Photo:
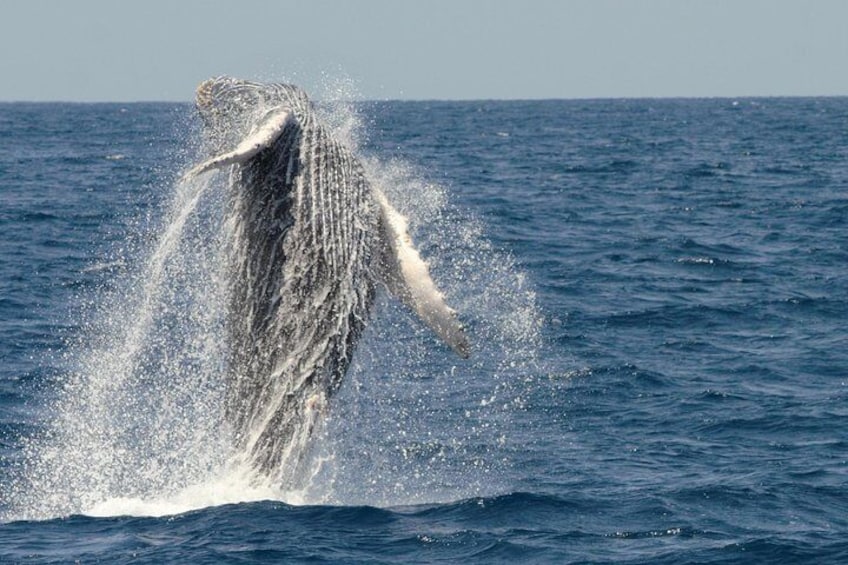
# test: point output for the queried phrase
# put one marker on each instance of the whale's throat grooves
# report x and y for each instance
(303, 226)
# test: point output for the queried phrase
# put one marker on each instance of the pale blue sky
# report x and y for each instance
(91, 50)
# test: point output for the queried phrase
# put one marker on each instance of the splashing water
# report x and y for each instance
(138, 424)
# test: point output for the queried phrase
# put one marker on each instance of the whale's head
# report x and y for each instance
(232, 108)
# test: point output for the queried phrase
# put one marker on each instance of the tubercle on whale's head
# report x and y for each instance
(230, 108)
(221, 95)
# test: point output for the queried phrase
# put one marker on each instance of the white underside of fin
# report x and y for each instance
(412, 282)
(261, 138)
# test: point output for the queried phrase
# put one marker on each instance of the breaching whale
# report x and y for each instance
(311, 240)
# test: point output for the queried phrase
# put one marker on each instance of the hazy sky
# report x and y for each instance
(86, 50)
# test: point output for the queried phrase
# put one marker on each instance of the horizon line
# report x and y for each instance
(418, 100)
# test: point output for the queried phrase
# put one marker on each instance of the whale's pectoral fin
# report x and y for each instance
(407, 277)
(261, 138)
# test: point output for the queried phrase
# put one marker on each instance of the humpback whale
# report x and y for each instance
(311, 240)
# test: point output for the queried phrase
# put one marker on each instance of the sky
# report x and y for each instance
(113, 50)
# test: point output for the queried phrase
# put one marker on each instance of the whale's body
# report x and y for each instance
(310, 241)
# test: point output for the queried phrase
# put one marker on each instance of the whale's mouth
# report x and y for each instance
(218, 91)
(229, 109)
(223, 98)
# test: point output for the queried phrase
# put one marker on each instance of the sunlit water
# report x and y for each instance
(655, 292)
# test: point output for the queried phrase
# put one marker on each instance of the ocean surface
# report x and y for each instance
(656, 293)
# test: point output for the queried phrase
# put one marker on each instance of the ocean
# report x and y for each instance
(655, 292)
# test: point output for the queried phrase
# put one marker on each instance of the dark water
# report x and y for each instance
(658, 291)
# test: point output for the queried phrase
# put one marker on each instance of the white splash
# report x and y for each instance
(215, 492)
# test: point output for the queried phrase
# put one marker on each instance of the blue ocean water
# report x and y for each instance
(656, 291)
